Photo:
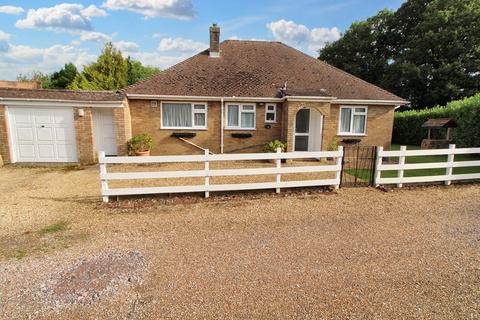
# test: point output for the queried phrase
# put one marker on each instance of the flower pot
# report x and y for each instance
(145, 153)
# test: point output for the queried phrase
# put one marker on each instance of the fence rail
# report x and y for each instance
(403, 153)
(206, 173)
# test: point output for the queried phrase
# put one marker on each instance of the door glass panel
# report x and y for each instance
(302, 121)
(301, 143)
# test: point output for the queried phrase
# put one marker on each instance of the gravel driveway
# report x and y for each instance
(358, 253)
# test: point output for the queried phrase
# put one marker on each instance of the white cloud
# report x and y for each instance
(301, 36)
(126, 46)
(4, 37)
(11, 10)
(24, 59)
(180, 44)
(94, 36)
(69, 17)
(177, 9)
(157, 60)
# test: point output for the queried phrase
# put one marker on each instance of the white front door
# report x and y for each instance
(308, 130)
(42, 134)
(104, 131)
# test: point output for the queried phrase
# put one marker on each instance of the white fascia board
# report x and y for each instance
(202, 98)
(22, 102)
(371, 102)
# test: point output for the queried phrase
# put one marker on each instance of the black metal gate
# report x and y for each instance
(358, 168)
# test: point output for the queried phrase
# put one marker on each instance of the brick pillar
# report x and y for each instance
(84, 136)
(4, 147)
(123, 127)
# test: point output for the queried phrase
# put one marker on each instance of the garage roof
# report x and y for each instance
(58, 94)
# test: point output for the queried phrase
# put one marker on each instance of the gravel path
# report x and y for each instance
(358, 253)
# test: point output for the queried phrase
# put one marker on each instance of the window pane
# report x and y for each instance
(177, 115)
(248, 108)
(302, 121)
(232, 116)
(345, 118)
(359, 124)
(248, 120)
(360, 110)
(270, 108)
(199, 107)
(270, 116)
(199, 119)
(301, 143)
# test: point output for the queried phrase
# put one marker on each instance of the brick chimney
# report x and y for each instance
(214, 41)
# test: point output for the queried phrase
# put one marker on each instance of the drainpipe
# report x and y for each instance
(221, 126)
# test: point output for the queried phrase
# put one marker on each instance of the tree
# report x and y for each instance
(427, 51)
(109, 72)
(35, 75)
(64, 77)
(138, 72)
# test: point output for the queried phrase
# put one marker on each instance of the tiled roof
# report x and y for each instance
(68, 95)
(257, 69)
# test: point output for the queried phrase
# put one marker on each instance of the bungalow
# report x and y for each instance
(233, 97)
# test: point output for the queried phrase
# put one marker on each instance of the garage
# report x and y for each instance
(42, 134)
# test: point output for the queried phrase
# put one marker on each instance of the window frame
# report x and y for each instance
(351, 133)
(240, 111)
(270, 112)
(192, 111)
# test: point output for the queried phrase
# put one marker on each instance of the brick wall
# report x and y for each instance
(146, 119)
(20, 84)
(84, 136)
(123, 127)
(4, 148)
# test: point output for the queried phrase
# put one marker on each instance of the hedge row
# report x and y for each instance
(407, 127)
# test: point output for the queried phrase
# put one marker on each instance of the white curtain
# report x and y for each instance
(248, 120)
(232, 116)
(177, 115)
(199, 119)
(359, 124)
(346, 117)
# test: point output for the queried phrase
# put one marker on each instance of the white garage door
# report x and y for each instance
(42, 134)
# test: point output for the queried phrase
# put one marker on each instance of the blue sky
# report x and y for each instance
(43, 35)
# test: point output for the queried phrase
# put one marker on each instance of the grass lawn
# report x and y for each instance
(364, 174)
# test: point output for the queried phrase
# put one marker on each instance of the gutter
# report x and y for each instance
(60, 103)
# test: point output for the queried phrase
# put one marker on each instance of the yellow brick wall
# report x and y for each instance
(123, 127)
(4, 149)
(84, 136)
(146, 119)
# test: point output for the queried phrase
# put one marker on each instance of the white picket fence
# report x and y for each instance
(206, 173)
(448, 177)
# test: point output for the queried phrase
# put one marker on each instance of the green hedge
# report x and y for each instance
(407, 127)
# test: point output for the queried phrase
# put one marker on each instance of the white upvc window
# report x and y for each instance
(271, 113)
(352, 121)
(183, 115)
(240, 116)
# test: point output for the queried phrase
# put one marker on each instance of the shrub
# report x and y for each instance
(273, 145)
(139, 142)
(407, 127)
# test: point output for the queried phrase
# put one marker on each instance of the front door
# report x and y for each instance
(104, 131)
(308, 130)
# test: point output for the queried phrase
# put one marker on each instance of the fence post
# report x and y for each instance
(401, 162)
(378, 164)
(103, 170)
(207, 174)
(451, 158)
(278, 162)
(338, 174)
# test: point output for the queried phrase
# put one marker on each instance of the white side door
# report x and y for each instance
(42, 134)
(104, 131)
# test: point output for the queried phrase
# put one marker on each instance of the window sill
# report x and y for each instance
(239, 129)
(183, 128)
(351, 134)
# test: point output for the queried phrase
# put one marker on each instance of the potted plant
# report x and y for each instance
(272, 146)
(140, 145)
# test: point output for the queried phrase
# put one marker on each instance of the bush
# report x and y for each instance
(273, 145)
(407, 127)
(139, 142)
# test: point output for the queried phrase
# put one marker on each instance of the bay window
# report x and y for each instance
(353, 121)
(240, 116)
(271, 113)
(184, 115)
